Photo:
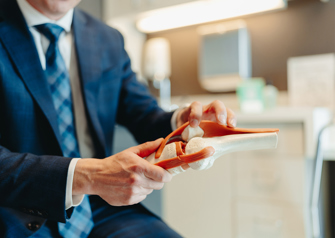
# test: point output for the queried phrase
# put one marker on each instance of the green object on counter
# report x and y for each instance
(270, 94)
(250, 95)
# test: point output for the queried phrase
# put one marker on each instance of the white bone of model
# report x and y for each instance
(222, 145)
(191, 132)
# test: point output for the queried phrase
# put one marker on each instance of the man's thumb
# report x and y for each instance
(145, 149)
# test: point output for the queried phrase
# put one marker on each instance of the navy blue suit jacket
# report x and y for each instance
(32, 170)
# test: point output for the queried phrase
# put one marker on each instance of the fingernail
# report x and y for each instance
(223, 119)
(194, 122)
(232, 122)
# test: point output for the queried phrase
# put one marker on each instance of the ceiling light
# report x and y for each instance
(202, 11)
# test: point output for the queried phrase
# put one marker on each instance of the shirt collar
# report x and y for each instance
(34, 17)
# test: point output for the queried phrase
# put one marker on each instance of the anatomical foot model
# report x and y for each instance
(200, 147)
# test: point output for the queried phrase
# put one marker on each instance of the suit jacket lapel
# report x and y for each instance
(87, 45)
(16, 37)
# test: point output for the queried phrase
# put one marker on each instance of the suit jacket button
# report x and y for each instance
(33, 226)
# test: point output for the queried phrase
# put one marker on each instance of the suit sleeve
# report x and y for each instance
(138, 110)
(34, 184)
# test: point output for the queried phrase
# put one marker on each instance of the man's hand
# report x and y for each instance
(215, 111)
(122, 179)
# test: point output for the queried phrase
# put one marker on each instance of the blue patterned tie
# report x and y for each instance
(81, 222)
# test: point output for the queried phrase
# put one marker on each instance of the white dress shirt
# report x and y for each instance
(67, 50)
(65, 44)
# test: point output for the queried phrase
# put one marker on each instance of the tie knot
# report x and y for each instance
(50, 31)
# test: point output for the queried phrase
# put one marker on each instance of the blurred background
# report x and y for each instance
(273, 63)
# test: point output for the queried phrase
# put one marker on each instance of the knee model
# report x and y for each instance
(199, 147)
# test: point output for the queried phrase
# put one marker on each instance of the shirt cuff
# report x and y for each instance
(174, 119)
(72, 200)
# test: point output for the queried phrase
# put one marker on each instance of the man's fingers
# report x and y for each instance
(139, 190)
(148, 183)
(156, 173)
(137, 199)
(195, 114)
(149, 171)
(220, 111)
(215, 111)
(147, 148)
(231, 118)
(143, 180)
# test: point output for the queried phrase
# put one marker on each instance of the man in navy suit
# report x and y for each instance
(65, 80)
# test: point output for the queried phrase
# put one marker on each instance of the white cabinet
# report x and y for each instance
(252, 194)
(268, 220)
(266, 178)
(198, 203)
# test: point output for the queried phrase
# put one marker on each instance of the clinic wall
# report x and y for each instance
(93, 7)
(306, 27)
